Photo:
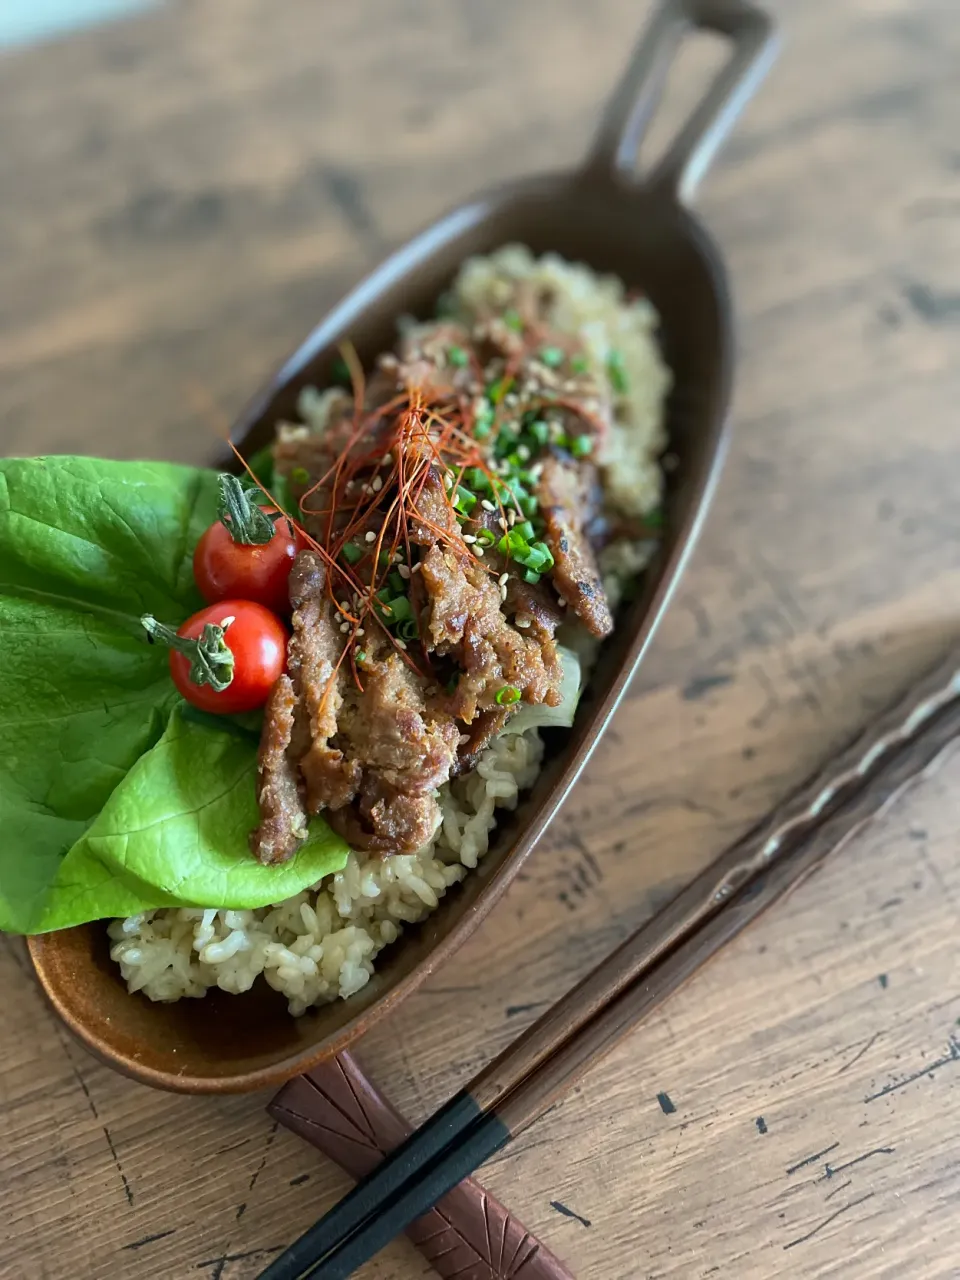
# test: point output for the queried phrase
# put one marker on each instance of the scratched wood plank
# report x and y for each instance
(183, 194)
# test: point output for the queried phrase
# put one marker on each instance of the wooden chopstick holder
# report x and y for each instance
(469, 1234)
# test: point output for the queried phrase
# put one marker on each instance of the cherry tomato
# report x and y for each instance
(258, 641)
(226, 570)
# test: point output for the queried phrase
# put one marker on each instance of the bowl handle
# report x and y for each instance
(637, 96)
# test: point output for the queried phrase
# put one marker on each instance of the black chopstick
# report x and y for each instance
(410, 1199)
(446, 1126)
(538, 1068)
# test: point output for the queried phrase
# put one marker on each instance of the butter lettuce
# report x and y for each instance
(111, 801)
(175, 833)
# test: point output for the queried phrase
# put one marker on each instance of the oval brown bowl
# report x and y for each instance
(600, 215)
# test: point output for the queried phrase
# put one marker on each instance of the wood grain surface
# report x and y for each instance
(183, 194)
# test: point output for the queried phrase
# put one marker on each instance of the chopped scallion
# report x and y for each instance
(464, 501)
(507, 696)
(506, 442)
(552, 357)
(457, 357)
(616, 373)
(497, 390)
(400, 609)
(352, 553)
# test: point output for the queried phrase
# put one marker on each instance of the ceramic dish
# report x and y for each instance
(603, 215)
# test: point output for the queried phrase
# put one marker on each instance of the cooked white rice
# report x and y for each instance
(321, 944)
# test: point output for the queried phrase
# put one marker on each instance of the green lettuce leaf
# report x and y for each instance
(86, 547)
(175, 833)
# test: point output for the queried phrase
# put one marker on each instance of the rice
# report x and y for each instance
(321, 945)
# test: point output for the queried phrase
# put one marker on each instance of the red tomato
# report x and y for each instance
(258, 641)
(227, 570)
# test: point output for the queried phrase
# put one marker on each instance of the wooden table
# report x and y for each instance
(183, 194)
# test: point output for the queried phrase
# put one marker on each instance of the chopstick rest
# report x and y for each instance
(469, 1234)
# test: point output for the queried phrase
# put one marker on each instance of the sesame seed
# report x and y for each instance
(523, 452)
(503, 594)
(469, 537)
(227, 622)
(487, 504)
(397, 556)
(416, 568)
(463, 739)
(502, 522)
(403, 571)
(523, 622)
(504, 579)
(370, 537)
(401, 644)
(511, 517)
(344, 627)
(376, 484)
(562, 601)
(537, 470)
(478, 549)
(360, 631)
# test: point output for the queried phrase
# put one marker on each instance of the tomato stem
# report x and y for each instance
(211, 661)
(245, 521)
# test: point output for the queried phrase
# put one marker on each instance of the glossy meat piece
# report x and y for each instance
(563, 492)
(300, 720)
(465, 619)
(283, 816)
